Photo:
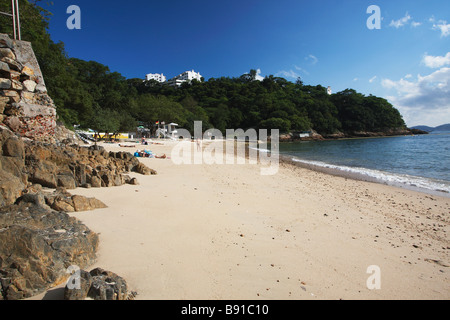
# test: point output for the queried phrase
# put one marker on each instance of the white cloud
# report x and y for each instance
(355, 79)
(415, 24)
(288, 74)
(425, 100)
(301, 70)
(443, 26)
(312, 58)
(436, 61)
(292, 74)
(401, 22)
(373, 79)
(408, 76)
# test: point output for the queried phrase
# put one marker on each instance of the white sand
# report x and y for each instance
(227, 232)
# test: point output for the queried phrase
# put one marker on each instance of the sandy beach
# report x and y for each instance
(218, 232)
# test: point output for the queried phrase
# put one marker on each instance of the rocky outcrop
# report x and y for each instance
(38, 239)
(25, 106)
(61, 200)
(98, 284)
(368, 134)
(13, 179)
(75, 166)
(298, 136)
(37, 245)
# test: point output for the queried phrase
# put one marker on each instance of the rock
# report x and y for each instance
(62, 205)
(5, 83)
(107, 285)
(5, 70)
(80, 293)
(13, 95)
(96, 204)
(7, 53)
(36, 247)
(5, 42)
(14, 75)
(28, 72)
(143, 169)
(13, 147)
(81, 203)
(3, 102)
(96, 182)
(41, 88)
(66, 181)
(134, 182)
(44, 176)
(33, 198)
(11, 188)
(61, 200)
(29, 85)
(13, 64)
(13, 123)
(16, 85)
(99, 285)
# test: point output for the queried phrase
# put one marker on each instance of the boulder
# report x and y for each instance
(66, 181)
(143, 169)
(96, 182)
(99, 284)
(11, 188)
(44, 177)
(61, 200)
(133, 181)
(37, 245)
(84, 283)
(81, 203)
(13, 147)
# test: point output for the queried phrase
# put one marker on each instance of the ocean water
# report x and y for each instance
(415, 162)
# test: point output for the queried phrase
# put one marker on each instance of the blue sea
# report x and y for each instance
(415, 162)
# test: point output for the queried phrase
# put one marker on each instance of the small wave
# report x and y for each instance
(261, 150)
(401, 180)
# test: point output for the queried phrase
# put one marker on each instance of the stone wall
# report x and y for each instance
(25, 106)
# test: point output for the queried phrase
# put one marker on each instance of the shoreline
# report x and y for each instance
(226, 232)
(327, 168)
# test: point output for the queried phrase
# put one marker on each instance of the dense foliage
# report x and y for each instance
(89, 94)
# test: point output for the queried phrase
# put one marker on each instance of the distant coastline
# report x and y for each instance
(314, 136)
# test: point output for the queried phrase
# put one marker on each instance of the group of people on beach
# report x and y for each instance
(148, 154)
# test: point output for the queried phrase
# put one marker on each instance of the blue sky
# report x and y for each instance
(407, 61)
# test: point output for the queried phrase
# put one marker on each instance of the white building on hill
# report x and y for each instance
(184, 77)
(156, 76)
